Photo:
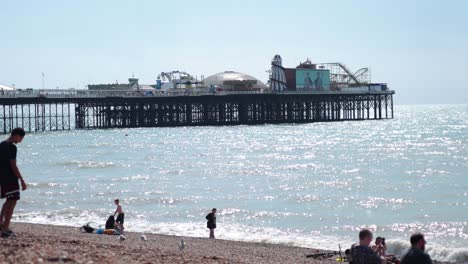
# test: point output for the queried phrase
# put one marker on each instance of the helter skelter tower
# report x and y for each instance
(277, 76)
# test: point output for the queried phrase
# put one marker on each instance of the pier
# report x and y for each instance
(51, 110)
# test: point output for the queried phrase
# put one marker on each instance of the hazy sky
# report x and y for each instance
(420, 48)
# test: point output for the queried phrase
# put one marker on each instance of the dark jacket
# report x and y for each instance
(211, 220)
(416, 256)
(364, 255)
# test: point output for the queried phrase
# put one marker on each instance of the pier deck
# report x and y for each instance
(65, 111)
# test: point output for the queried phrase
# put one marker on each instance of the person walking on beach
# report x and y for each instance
(363, 253)
(9, 177)
(211, 224)
(119, 221)
(416, 254)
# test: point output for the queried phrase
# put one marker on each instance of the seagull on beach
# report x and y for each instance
(181, 249)
(122, 238)
(143, 237)
(181, 245)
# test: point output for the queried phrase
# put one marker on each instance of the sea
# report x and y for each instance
(310, 185)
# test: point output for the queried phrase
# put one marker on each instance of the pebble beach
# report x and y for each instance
(37, 243)
(57, 244)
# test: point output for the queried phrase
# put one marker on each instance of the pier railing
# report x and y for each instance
(72, 93)
(43, 110)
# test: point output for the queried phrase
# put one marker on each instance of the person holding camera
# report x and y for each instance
(379, 247)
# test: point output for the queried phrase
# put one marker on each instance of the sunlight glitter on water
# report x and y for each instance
(397, 175)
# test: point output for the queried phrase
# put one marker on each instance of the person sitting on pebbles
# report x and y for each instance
(361, 253)
(379, 247)
(417, 254)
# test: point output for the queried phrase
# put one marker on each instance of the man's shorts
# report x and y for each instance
(120, 218)
(10, 191)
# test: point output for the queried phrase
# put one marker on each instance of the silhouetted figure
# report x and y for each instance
(363, 253)
(416, 254)
(211, 224)
(9, 177)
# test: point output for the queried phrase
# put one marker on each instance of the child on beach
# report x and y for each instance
(119, 221)
(211, 224)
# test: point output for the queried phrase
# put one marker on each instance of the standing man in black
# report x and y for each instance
(211, 224)
(9, 177)
(416, 254)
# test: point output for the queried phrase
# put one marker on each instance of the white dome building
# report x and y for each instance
(234, 81)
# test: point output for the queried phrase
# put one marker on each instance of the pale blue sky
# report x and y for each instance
(420, 48)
